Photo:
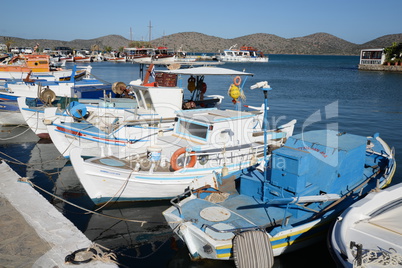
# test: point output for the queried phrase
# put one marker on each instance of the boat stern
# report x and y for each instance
(202, 242)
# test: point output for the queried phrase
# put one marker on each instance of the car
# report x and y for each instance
(47, 50)
(28, 50)
(15, 50)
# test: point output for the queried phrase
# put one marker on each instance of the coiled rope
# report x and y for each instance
(382, 257)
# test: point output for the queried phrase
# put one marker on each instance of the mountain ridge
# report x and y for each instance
(313, 44)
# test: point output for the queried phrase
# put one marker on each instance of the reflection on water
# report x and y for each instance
(328, 87)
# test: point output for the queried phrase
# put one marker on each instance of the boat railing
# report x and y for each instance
(176, 200)
(199, 152)
(233, 230)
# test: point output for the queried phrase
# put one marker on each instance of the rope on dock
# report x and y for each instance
(18, 162)
(142, 222)
(94, 252)
(16, 136)
(88, 211)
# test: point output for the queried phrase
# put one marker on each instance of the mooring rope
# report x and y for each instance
(142, 222)
(17, 135)
(18, 162)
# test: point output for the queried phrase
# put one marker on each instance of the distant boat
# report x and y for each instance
(138, 54)
(244, 54)
(164, 54)
(38, 66)
(287, 205)
(116, 59)
(369, 233)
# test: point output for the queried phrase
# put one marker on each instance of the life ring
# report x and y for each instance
(237, 80)
(175, 156)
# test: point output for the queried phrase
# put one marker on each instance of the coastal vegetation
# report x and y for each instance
(393, 53)
(315, 44)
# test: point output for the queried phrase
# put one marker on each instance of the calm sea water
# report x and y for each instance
(319, 91)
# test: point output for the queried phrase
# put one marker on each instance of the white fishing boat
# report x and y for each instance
(369, 233)
(203, 141)
(157, 105)
(47, 92)
(70, 109)
(34, 88)
(242, 54)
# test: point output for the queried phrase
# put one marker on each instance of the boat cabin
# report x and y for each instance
(26, 63)
(337, 160)
(372, 56)
(215, 126)
(160, 100)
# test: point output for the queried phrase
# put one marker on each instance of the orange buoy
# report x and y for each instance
(237, 80)
(175, 156)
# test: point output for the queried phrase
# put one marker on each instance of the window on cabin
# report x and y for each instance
(192, 129)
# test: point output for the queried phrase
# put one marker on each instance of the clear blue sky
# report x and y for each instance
(356, 21)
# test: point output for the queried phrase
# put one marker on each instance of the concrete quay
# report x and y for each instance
(34, 233)
(380, 67)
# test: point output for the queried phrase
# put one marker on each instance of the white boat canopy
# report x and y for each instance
(199, 71)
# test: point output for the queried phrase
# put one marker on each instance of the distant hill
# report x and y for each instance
(314, 44)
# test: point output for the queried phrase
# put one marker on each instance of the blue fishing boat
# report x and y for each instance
(286, 206)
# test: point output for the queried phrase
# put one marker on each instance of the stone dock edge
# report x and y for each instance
(34, 233)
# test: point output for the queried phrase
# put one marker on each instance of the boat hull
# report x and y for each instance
(371, 226)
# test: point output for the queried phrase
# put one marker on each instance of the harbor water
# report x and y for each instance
(319, 91)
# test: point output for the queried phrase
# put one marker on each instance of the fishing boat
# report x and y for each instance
(368, 233)
(203, 141)
(36, 67)
(70, 110)
(242, 54)
(46, 92)
(285, 206)
(157, 103)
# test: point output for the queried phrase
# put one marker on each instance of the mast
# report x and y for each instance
(150, 31)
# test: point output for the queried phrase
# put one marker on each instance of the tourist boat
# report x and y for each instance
(138, 54)
(203, 141)
(285, 206)
(164, 54)
(157, 103)
(243, 54)
(368, 233)
(37, 67)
